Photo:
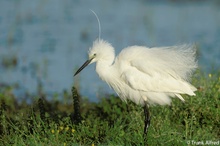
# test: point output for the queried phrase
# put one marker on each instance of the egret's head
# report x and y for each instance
(101, 50)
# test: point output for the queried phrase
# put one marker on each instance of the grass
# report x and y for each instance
(112, 122)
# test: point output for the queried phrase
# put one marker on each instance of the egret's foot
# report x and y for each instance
(147, 118)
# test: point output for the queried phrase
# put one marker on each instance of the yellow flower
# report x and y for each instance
(64, 144)
(67, 128)
(52, 131)
(73, 130)
(210, 75)
(61, 128)
(58, 131)
(93, 144)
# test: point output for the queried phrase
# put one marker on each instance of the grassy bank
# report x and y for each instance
(112, 122)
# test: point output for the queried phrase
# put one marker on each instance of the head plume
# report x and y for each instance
(98, 24)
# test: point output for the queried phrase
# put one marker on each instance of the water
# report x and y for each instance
(44, 42)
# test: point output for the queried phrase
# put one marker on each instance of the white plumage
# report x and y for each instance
(146, 74)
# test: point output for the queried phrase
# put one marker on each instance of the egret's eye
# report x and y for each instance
(94, 54)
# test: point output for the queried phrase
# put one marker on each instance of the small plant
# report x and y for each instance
(76, 116)
(2, 117)
(42, 109)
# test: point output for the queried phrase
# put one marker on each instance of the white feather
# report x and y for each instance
(146, 74)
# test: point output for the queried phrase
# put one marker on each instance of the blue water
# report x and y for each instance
(44, 42)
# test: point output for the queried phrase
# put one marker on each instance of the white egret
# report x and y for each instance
(144, 75)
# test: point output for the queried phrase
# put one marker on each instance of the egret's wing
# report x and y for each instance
(158, 70)
(156, 83)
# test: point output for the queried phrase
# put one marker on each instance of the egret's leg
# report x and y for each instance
(147, 118)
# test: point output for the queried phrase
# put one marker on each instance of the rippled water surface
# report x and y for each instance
(42, 42)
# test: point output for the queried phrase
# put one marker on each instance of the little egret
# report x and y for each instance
(145, 75)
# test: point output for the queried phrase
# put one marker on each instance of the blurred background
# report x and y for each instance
(43, 42)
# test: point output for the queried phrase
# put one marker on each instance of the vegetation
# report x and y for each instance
(110, 121)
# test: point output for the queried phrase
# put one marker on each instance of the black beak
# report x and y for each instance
(83, 66)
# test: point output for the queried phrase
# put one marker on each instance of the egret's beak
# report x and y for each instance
(83, 66)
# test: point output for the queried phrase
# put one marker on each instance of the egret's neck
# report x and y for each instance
(105, 69)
